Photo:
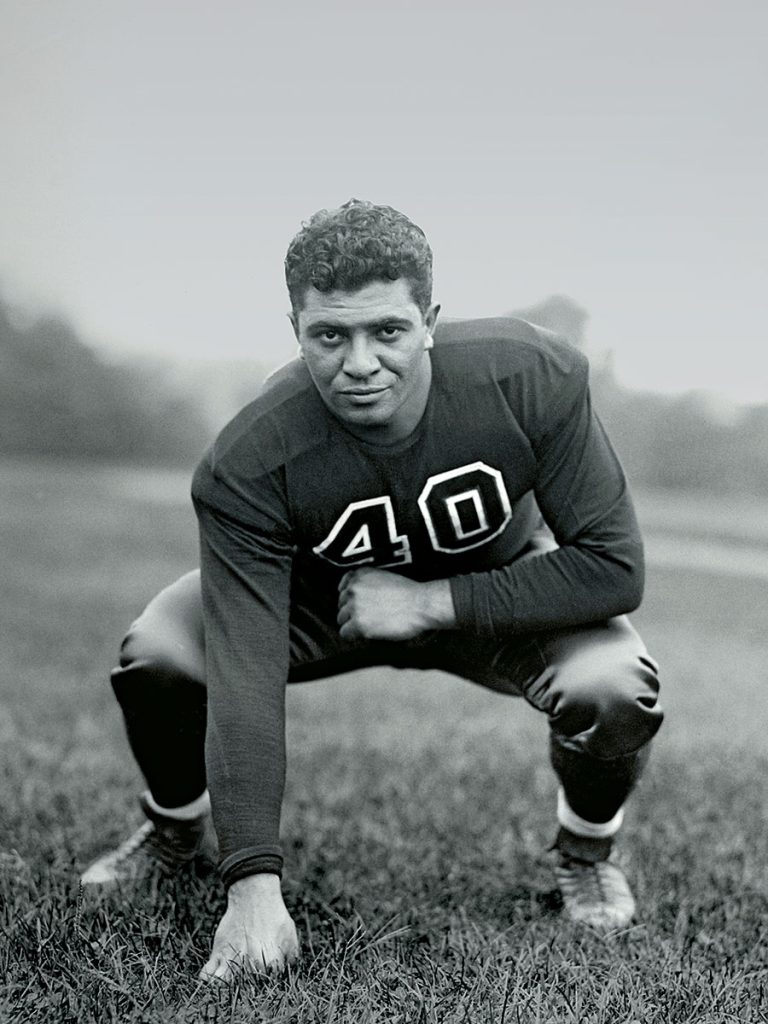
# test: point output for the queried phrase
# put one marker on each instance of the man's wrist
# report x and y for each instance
(262, 886)
(253, 860)
(436, 605)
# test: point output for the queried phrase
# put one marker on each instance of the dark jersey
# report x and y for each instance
(288, 500)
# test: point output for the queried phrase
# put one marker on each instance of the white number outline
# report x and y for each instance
(477, 502)
(404, 552)
(452, 500)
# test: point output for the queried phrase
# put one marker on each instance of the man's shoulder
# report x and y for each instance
(504, 345)
(284, 419)
(537, 370)
(280, 391)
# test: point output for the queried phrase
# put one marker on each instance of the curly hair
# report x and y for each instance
(354, 245)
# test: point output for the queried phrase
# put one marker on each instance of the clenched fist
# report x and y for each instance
(379, 605)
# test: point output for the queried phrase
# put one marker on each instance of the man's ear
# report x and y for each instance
(430, 317)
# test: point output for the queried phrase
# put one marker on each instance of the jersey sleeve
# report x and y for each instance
(597, 571)
(246, 557)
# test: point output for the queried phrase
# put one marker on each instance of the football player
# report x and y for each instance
(401, 494)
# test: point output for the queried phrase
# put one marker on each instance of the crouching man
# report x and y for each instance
(406, 495)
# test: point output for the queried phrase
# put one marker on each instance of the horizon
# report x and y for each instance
(718, 406)
(158, 161)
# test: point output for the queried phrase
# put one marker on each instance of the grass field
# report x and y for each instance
(417, 812)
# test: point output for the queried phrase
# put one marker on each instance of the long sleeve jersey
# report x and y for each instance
(288, 500)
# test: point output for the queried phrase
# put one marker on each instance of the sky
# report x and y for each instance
(159, 155)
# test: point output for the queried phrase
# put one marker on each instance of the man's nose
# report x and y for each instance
(360, 360)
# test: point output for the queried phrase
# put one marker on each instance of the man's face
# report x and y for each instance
(366, 351)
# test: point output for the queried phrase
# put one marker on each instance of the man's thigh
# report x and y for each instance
(170, 634)
(527, 665)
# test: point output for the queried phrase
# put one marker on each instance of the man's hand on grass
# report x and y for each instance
(379, 605)
(256, 932)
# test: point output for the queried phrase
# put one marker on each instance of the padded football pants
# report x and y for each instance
(597, 685)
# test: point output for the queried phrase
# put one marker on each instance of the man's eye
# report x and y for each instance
(329, 336)
(390, 331)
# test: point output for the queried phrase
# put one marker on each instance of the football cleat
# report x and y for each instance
(160, 846)
(596, 894)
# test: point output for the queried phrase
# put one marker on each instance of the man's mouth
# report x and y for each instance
(364, 389)
(362, 395)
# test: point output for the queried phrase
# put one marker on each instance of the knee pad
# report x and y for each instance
(609, 713)
(148, 649)
(158, 655)
(168, 638)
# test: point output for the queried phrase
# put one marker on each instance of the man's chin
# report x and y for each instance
(372, 413)
(366, 423)
(365, 418)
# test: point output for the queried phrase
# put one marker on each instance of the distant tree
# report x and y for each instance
(558, 313)
(58, 398)
(666, 441)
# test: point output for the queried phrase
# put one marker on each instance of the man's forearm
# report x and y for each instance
(571, 586)
(247, 660)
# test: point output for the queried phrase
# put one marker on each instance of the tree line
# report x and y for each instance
(60, 399)
(673, 442)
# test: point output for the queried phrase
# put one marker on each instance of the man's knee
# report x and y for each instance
(166, 641)
(607, 703)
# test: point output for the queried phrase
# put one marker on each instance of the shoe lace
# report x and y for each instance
(589, 882)
(130, 845)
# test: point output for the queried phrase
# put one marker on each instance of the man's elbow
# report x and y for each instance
(628, 585)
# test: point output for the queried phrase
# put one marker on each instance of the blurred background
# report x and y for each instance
(599, 168)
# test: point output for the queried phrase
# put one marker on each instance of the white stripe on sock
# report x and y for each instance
(186, 813)
(569, 819)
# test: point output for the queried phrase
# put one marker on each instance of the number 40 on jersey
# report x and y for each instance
(461, 508)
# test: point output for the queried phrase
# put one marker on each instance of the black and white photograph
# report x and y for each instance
(383, 512)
